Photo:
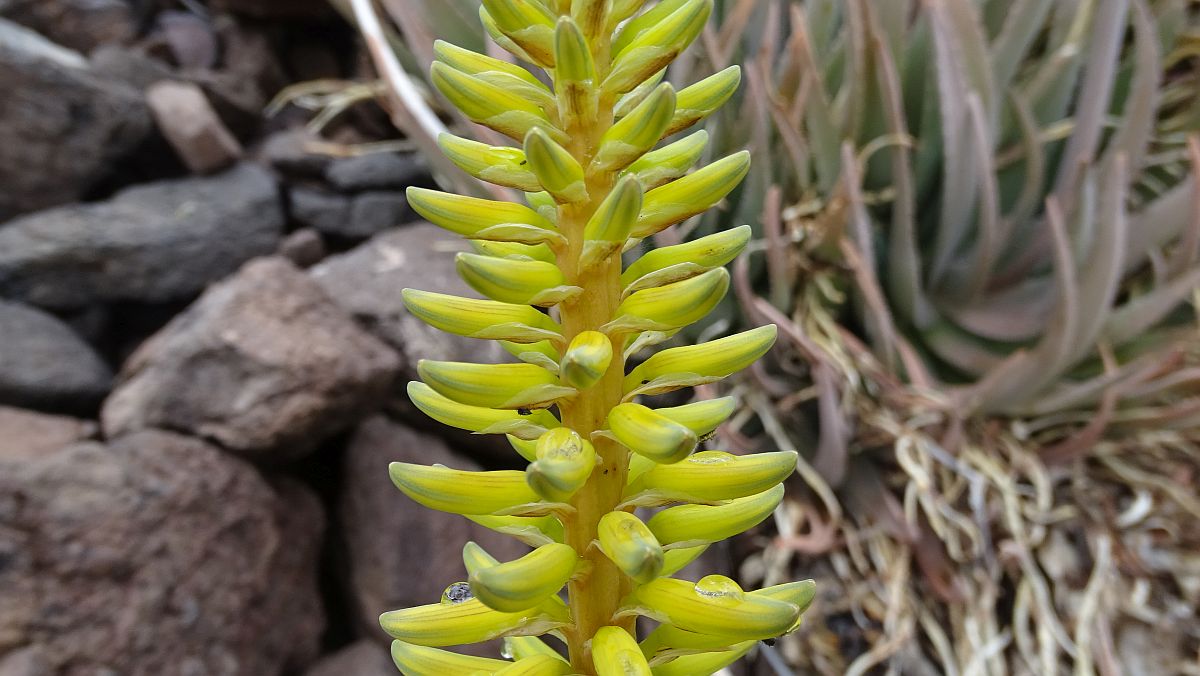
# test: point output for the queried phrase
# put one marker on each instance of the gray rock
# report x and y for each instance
(29, 435)
(373, 212)
(304, 247)
(327, 212)
(292, 151)
(155, 555)
(62, 126)
(46, 365)
(276, 9)
(82, 25)
(264, 364)
(400, 553)
(129, 65)
(375, 171)
(358, 659)
(151, 243)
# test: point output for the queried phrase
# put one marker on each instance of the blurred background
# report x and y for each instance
(977, 224)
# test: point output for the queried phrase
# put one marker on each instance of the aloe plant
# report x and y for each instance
(560, 300)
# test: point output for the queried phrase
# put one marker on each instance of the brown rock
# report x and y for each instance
(304, 247)
(263, 364)
(359, 659)
(62, 126)
(192, 127)
(400, 553)
(154, 555)
(82, 25)
(26, 435)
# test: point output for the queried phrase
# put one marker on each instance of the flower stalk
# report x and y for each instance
(594, 188)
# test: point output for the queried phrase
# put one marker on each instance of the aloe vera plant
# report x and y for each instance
(560, 300)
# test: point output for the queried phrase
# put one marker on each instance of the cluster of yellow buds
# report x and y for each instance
(559, 300)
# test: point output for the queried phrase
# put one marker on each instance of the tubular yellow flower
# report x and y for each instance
(596, 179)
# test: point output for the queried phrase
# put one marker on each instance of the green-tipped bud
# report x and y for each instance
(704, 663)
(537, 665)
(479, 419)
(712, 476)
(623, 9)
(556, 170)
(541, 353)
(631, 100)
(498, 36)
(714, 605)
(800, 593)
(461, 492)
(656, 46)
(700, 100)
(586, 360)
(669, 162)
(524, 252)
(637, 132)
(609, 227)
(692, 365)
(527, 582)
(534, 531)
(650, 434)
(509, 77)
(494, 164)
(690, 525)
(668, 641)
(616, 653)
(476, 318)
(521, 647)
(564, 463)
(482, 219)
(514, 281)
(489, 104)
(653, 16)
(681, 261)
(514, 386)
(455, 622)
(528, 24)
(628, 543)
(476, 558)
(675, 560)
(575, 76)
(416, 660)
(671, 306)
(701, 417)
(693, 194)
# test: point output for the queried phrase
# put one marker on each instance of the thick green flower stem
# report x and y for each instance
(595, 596)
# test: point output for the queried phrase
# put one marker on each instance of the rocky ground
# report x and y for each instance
(203, 349)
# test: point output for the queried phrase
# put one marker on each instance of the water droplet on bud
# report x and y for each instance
(458, 592)
(711, 458)
(718, 587)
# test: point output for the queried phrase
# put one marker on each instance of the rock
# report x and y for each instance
(62, 126)
(373, 212)
(81, 25)
(375, 171)
(130, 65)
(292, 151)
(359, 659)
(46, 365)
(190, 39)
(263, 364)
(154, 555)
(28, 435)
(192, 127)
(152, 243)
(327, 212)
(275, 9)
(305, 248)
(390, 538)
